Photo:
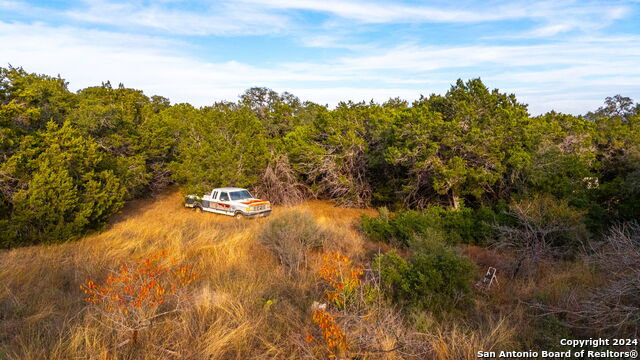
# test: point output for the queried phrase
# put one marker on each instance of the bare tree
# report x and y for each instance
(280, 185)
(544, 227)
(343, 177)
(615, 306)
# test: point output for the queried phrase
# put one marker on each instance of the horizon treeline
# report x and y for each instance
(68, 161)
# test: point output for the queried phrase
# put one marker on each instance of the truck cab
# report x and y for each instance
(230, 201)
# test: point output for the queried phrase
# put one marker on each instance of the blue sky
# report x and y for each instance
(562, 55)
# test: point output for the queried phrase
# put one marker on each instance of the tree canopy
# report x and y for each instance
(70, 160)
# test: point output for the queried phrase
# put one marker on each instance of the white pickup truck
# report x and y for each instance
(229, 201)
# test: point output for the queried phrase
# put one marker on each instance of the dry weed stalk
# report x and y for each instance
(457, 342)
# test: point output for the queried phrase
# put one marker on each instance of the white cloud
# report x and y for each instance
(377, 12)
(596, 56)
(549, 30)
(556, 17)
(88, 57)
(223, 18)
(567, 76)
(10, 5)
(254, 17)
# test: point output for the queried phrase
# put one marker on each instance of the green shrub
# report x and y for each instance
(292, 236)
(464, 225)
(428, 240)
(548, 329)
(437, 280)
(399, 228)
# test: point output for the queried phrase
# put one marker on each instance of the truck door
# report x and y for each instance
(223, 201)
(211, 202)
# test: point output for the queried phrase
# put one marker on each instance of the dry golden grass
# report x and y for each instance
(243, 305)
(457, 342)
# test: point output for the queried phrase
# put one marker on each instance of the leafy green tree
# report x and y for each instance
(457, 145)
(157, 141)
(617, 140)
(278, 113)
(384, 178)
(58, 186)
(330, 154)
(123, 121)
(618, 106)
(471, 148)
(560, 155)
(219, 146)
(27, 102)
(40, 98)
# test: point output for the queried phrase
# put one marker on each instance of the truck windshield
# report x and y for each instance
(240, 195)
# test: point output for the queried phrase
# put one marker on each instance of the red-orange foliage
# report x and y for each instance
(141, 287)
(344, 277)
(308, 339)
(333, 335)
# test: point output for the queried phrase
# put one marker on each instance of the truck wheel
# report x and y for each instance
(238, 215)
(198, 209)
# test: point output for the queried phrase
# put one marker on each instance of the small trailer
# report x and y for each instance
(230, 201)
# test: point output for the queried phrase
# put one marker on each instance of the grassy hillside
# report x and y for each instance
(42, 304)
(244, 304)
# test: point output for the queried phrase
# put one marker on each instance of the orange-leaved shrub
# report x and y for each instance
(333, 335)
(344, 281)
(134, 296)
(343, 277)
